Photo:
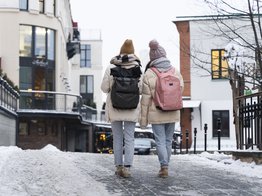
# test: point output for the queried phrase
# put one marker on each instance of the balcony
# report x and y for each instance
(8, 97)
(49, 101)
(32, 101)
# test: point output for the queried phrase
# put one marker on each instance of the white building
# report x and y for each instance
(87, 69)
(208, 94)
(37, 43)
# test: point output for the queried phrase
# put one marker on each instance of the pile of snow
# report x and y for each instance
(50, 147)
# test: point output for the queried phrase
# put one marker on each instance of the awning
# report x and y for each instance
(191, 104)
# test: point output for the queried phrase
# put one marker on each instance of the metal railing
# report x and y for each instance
(58, 102)
(250, 121)
(50, 101)
(8, 96)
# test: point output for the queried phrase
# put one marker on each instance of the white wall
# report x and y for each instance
(7, 130)
(96, 70)
(9, 36)
(213, 94)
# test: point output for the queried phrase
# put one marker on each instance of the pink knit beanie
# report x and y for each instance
(156, 51)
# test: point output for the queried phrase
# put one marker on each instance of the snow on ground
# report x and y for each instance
(50, 171)
(43, 172)
(225, 162)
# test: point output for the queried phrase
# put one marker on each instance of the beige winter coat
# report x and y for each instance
(113, 114)
(149, 113)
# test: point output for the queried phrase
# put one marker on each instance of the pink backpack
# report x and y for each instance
(168, 95)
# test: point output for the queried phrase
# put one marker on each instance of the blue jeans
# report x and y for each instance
(163, 136)
(123, 132)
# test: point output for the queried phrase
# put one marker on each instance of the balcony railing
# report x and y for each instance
(50, 101)
(8, 96)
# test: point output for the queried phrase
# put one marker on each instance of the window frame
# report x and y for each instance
(23, 129)
(85, 52)
(48, 61)
(86, 77)
(217, 71)
(21, 2)
(49, 41)
(41, 6)
(27, 36)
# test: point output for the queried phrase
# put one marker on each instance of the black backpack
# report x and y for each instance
(125, 90)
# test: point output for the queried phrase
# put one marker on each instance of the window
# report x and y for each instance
(41, 6)
(37, 42)
(25, 48)
(85, 56)
(25, 78)
(53, 2)
(86, 84)
(51, 44)
(23, 4)
(219, 64)
(37, 58)
(23, 128)
(224, 117)
(40, 42)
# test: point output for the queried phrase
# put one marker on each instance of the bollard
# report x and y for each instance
(195, 132)
(181, 140)
(174, 143)
(218, 132)
(187, 133)
(205, 128)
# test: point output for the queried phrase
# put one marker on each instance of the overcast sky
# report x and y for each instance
(139, 20)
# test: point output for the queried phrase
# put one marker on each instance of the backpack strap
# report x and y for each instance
(157, 72)
(154, 69)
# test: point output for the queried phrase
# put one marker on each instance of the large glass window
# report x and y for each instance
(37, 65)
(40, 42)
(51, 44)
(23, 4)
(85, 56)
(35, 43)
(223, 115)
(86, 84)
(25, 48)
(25, 78)
(219, 64)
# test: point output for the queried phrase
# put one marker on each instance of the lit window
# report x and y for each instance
(219, 64)
(25, 41)
(40, 42)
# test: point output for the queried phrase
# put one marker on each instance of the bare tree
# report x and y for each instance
(242, 51)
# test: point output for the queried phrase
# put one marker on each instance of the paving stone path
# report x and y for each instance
(187, 178)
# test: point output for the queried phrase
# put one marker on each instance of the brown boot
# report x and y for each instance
(126, 172)
(119, 170)
(163, 172)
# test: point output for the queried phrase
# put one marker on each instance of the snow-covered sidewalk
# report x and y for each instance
(51, 172)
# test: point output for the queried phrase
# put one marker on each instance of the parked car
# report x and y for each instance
(144, 142)
(176, 138)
